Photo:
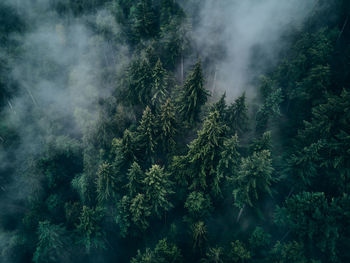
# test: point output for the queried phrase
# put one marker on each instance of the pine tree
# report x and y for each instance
(193, 96)
(199, 234)
(204, 154)
(140, 212)
(144, 20)
(238, 252)
(147, 136)
(167, 127)
(53, 243)
(198, 205)
(123, 218)
(157, 189)
(254, 177)
(311, 217)
(135, 177)
(230, 158)
(163, 252)
(237, 115)
(90, 230)
(124, 151)
(106, 183)
(159, 86)
(139, 81)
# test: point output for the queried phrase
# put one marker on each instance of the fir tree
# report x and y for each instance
(90, 230)
(160, 85)
(167, 127)
(53, 243)
(193, 96)
(157, 189)
(254, 177)
(106, 183)
(147, 136)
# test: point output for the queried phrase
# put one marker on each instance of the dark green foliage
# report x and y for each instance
(193, 96)
(145, 166)
(146, 136)
(311, 217)
(198, 205)
(204, 154)
(106, 183)
(254, 177)
(163, 252)
(160, 85)
(53, 244)
(167, 127)
(90, 230)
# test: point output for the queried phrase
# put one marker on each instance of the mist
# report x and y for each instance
(243, 39)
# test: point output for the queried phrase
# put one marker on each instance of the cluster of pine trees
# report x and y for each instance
(172, 173)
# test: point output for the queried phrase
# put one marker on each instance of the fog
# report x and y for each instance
(244, 39)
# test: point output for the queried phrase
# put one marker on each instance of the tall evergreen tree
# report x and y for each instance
(167, 127)
(158, 187)
(193, 96)
(254, 177)
(53, 244)
(147, 136)
(106, 183)
(160, 85)
(204, 154)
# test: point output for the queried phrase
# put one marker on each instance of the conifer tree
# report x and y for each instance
(159, 86)
(90, 230)
(193, 96)
(311, 217)
(198, 205)
(230, 158)
(135, 177)
(157, 189)
(204, 154)
(163, 252)
(254, 177)
(106, 183)
(147, 136)
(140, 212)
(124, 151)
(139, 90)
(53, 243)
(145, 21)
(237, 115)
(199, 234)
(167, 127)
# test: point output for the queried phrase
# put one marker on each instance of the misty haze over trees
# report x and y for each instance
(174, 131)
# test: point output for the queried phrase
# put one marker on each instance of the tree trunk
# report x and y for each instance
(240, 213)
(182, 70)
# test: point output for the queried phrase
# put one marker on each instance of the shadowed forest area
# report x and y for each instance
(170, 131)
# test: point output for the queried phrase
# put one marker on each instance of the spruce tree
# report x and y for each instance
(254, 177)
(237, 115)
(158, 187)
(90, 229)
(167, 127)
(204, 155)
(135, 180)
(53, 243)
(106, 183)
(159, 86)
(147, 136)
(194, 95)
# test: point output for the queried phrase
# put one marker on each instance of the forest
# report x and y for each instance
(173, 131)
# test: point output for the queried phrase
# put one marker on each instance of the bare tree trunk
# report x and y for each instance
(214, 81)
(182, 70)
(240, 213)
(343, 28)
